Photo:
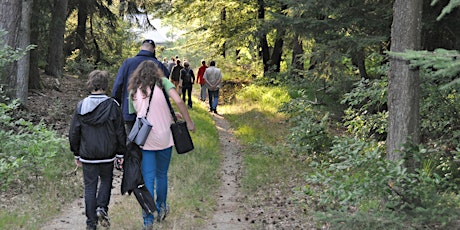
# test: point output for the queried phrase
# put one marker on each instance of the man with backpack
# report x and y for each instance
(186, 81)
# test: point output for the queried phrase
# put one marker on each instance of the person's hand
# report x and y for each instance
(119, 163)
(191, 126)
(179, 116)
(78, 162)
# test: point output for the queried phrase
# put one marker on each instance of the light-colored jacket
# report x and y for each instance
(213, 78)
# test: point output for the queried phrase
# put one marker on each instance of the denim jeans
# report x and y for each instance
(213, 99)
(93, 197)
(155, 165)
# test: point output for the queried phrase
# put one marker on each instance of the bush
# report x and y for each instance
(27, 151)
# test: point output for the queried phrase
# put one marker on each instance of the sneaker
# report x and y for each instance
(103, 218)
(164, 211)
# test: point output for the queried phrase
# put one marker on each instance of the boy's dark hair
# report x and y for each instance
(212, 63)
(97, 80)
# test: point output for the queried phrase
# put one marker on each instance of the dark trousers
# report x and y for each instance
(187, 91)
(93, 197)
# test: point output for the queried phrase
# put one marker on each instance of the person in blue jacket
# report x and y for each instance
(120, 86)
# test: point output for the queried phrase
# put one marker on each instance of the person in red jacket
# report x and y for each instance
(201, 81)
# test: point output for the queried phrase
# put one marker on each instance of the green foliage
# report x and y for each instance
(355, 179)
(366, 115)
(27, 151)
(309, 132)
(75, 64)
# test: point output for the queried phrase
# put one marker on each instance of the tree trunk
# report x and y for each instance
(403, 86)
(277, 53)
(10, 14)
(34, 71)
(357, 58)
(264, 51)
(22, 77)
(297, 60)
(55, 57)
(81, 27)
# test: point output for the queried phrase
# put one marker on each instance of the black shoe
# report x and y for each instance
(102, 217)
(215, 111)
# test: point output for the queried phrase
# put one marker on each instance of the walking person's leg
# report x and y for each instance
(189, 95)
(184, 89)
(210, 96)
(163, 159)
(103, 196)
(91, 179)
(148, 173)
(215, 101)
(203, 92)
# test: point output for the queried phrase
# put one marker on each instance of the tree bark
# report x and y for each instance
(81, 27)
(55, 56)
(264, 51)
(297, 52)
(403, 88)
(275, 60)
(10, 14)
(34, 71)
(22, 77)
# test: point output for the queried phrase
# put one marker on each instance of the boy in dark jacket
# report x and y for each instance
(97, 138)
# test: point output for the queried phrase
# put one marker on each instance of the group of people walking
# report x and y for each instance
(100, 125)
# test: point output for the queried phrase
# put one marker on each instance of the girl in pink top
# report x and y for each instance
(156, 153)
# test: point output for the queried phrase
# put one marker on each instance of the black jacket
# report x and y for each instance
(97, 132)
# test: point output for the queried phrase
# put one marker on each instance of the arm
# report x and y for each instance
(74, 137)
(117, 89)
(182, 108)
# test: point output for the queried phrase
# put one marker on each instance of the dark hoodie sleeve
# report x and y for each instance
(74, 133)
(120, 131)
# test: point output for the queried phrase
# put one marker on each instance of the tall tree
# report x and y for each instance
(22, 74)
(403, 86)
(55, 57)
(10, 14)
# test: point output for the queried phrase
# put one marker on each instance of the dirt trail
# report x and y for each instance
(228, 213)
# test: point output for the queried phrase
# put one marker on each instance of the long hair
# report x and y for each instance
(146, 75)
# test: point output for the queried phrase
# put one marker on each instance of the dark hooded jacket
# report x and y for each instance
(97, 133)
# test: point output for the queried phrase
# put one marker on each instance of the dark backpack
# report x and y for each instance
(187, 79)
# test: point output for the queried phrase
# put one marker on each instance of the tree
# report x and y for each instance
(22, 74)
(403, 85)
(55, 57)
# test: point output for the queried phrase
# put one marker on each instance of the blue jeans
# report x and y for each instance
(155, 165)
(91, 175)
(213, 99)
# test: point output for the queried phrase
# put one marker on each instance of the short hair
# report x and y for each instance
(212, 63)
(186, 64)
(203, 62)
(97, 80)
(150, 41)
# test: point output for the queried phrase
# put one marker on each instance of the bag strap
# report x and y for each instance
(150, 99)
(170, 107)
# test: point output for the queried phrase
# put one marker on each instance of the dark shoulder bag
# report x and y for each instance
(181, 136)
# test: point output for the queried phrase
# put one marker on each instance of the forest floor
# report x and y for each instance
(55, 104)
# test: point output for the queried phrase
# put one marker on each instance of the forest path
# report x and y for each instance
(228, 213)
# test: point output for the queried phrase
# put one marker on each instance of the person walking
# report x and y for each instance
(187, 78)
(213, 78)
(119, 89)
(201, 81)
(97, 138)
(175, 75)
(157, 150)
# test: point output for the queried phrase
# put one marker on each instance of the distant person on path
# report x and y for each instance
(201, 81)
(213, 78)
(165, 62)
(187, 78)
(171, 64)
(156, 153)
(97, 138)
(175, 75)
(120, 86)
